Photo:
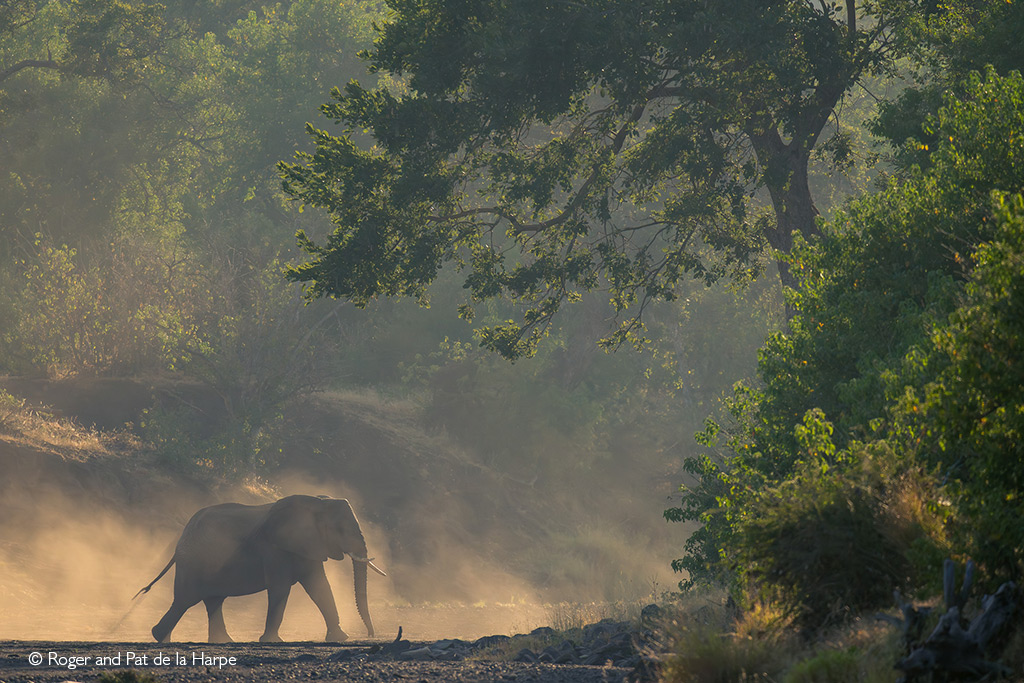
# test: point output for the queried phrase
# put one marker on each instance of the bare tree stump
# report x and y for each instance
(956, 646)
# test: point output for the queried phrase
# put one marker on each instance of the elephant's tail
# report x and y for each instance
(158, 577)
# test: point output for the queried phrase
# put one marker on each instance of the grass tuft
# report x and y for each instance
(39, 428)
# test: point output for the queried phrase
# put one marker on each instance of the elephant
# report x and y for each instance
(234, 549)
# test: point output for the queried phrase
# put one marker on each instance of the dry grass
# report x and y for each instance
(571, 616)
(706, 645)
(705, 655)
(38, 428)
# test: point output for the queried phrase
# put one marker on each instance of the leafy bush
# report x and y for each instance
(224, 447)
(835, 539)
(73, 318)
(971, 416)
(913, 358)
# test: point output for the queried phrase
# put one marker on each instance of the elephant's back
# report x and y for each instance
(233, 514)
(216, 543)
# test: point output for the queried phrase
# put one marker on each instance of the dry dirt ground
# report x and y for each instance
(187, 662)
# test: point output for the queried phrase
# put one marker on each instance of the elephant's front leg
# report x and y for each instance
(315, 583)
(277, 598)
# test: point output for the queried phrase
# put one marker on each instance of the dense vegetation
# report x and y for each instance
(145, 234)
(661, 166)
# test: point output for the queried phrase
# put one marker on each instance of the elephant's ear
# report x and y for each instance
(294, 524)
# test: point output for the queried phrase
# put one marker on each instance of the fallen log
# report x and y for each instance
(956, 645)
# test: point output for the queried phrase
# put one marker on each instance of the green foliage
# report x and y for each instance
(629, 156)
(228, 448)
(960, 37)
(898, 344)
(159, 235)
(971, 417)
(108, 39)
(830, 539)
(111, 38)
(75, 319)
(829, 666)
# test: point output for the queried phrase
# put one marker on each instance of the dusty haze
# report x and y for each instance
(79, 536)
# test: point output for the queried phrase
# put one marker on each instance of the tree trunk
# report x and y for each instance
(956, 646)
(785, 176)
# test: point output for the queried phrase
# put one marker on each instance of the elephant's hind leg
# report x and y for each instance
(215, 611)
(162, 631)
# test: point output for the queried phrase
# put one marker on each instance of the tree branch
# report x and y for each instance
(616, 146)
(27, 64)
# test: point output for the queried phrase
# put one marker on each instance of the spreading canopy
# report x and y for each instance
(550, 148)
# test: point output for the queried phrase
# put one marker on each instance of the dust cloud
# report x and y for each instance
(469, 551)
(69, 570)
(74, 575)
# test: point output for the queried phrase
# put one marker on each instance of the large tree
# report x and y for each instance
(553, 147)
(92, 38)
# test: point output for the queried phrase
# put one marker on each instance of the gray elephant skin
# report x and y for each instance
(234, 549)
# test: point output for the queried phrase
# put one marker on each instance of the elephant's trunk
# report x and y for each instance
(359, 577)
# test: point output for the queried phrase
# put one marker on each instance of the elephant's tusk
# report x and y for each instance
(368, 561)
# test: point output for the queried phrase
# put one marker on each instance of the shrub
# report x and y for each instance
(706, 655)
(830, 666)
(710, 644)
(834, 540)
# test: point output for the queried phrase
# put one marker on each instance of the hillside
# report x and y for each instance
(89, 513)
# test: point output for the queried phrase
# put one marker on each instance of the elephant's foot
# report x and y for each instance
(221, 638)
(270, 638)
(161, 636)
(336, 635)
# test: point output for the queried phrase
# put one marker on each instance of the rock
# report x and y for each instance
(392, 649)
(449, 644)
(489, 641)
(526, 655)
(602, 631)
(347, 655)
(543, 632)
(651, 615)
(450, 655)
(420, 654)
(563, 653)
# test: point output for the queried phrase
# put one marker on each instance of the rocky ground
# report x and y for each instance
(600, 653)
